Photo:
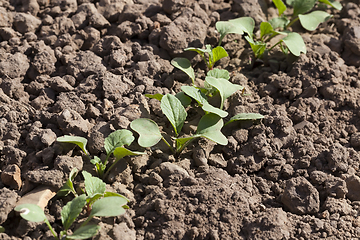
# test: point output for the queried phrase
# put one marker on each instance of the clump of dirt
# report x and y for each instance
(82, 67)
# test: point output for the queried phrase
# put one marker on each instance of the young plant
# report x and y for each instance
(216, 83)
(104, 207)
(113, 145)
(95, 188)
(291, 41)
(149, 132)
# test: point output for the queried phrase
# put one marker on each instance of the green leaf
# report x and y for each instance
(95, 160)
(185, 100)
(279, 4)
(184, 65)
(84, 232)
(210, 127)
(295, 43)
(68, 186)
(93, 198)
(114, 194)
(312, 20)
(148, 130)
(258, 47)
(156, 96)
(219, 73)
(279, 22)
(174, 111)
(108, 207)
(302, 6)
(80, 141)
(265, 28)
(225, 88)
(121, 152)
(238, 25)
(99, 166)
(225, 27)
(195, 93)
(332, 3)
(93, 185)
(247, 24)
(245, 116)
(217, 54)
(72, 210)
(118, 139)
(290, 2)
(31, 212)
(202, 100)
(199, 50)
(208, 108)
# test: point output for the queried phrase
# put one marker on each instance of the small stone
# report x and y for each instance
(47, 137)
(24, 22)
(217, 160)
(155, 178)
(356, 222)
(8, 200)
(167, 169)
(123, 232)
(300, 196)
(52, 177)
(11, 176)
(199, 157)
(355, 140)
(340, 206)
(39, 196)
(71, 122)
(67, 163)
(353, 186)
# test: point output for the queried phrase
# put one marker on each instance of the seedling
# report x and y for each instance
(149, 132)
(216, 82)
(94, 188)
(113, 145)
(104, 207)
(291, 41)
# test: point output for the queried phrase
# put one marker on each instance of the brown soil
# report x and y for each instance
(82, 67)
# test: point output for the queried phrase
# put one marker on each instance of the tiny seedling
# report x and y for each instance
(113, 145)
(149, 132)
(104, 207)
(291, 41)
(216, 83)
(95, 188)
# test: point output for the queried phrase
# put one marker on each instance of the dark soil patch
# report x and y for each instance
(82, 67)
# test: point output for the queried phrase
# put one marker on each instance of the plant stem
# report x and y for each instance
(51, 229)
(274, 46)
(108, 170)
(166, 142)
(291, 23)
(87, 221)
(272, 36)
(107, 158)
(221, 38)
(184, 146)
(100, 171)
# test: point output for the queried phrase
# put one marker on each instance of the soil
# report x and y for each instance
(82, 67)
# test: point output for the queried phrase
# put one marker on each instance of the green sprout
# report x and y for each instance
(104, 207)
(95, 188)
(113, 145)
(149, 132)
(292, 41)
